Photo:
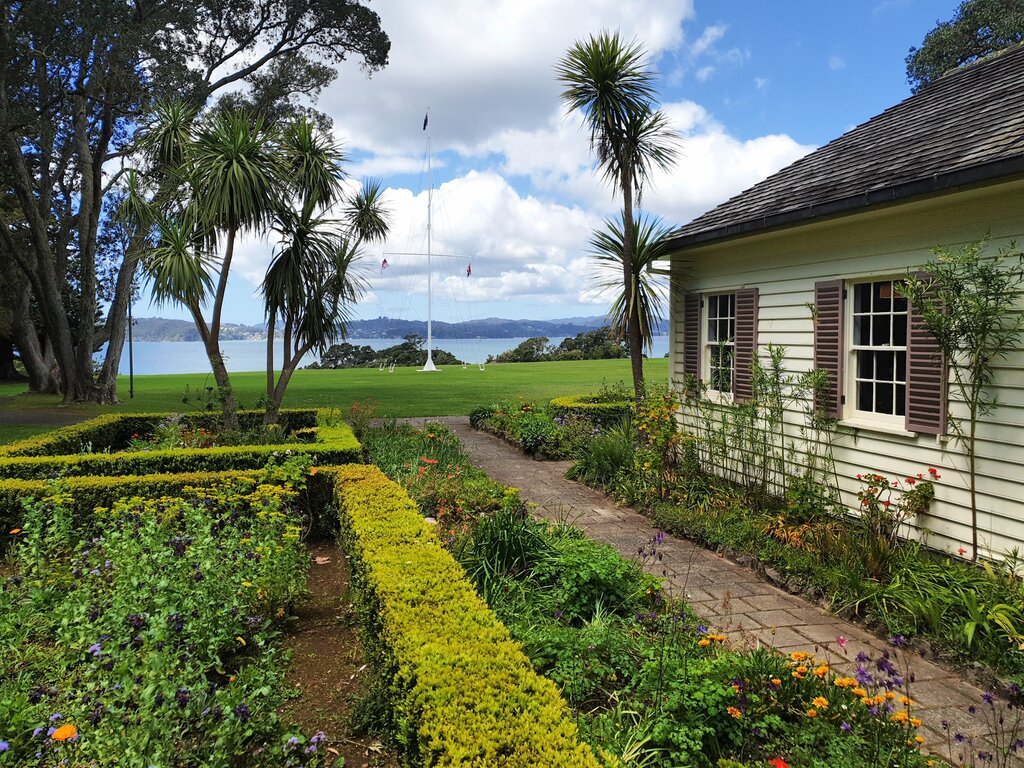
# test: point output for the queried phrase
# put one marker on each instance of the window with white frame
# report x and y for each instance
(878, 350)
(719, 340)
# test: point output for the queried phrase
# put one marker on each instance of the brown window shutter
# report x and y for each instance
(828, 342)
(926, 377)
(745, 344)
(691, 335)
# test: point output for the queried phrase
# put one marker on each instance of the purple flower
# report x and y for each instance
(242, 712)
(898, 641)
(988, 697)
(4, 746)
(55, 716)
(863, 676)
(318, 738)
(95, 649)
(845, 727)
(863, 658)
(959, 738)
(702, 630)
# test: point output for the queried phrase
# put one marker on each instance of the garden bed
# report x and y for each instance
(647, 682)
(156, 640)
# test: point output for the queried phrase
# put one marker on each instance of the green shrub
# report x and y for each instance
(114, 432)
(462, 692)
(33, 459)
(600, 462)
(604, 409)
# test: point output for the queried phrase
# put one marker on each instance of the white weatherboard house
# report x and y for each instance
(806, 259)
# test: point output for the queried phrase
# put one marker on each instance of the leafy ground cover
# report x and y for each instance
(149, 636)
(650, 685)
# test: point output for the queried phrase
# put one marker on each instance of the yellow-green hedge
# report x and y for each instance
(87, 493)
(603, 413)
(463, 691)
(112, 431)
(335, 445)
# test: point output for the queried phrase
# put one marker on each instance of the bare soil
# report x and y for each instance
(328, 666)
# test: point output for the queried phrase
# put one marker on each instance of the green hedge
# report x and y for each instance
(112, 432)
(463, 692)
(335, 445)
(88, 493)
(602, 413)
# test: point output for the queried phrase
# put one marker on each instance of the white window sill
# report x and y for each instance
(868, 425)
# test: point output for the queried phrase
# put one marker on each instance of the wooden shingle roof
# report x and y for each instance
(965, 128)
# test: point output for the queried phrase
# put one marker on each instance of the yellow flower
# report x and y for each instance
(240, 639)
(900, 717)
(64, 733)
(821, 671)
(812, 713)
(919, 739)
(915, 722)
(820, 702)
(858, 691)
(845, 682)
(906, 701)
(776, 681)
(799, 655)
(704, 642)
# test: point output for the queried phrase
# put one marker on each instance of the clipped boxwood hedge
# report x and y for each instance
(87, 493)
(113, 431)
(336, 444)
(462, 690)
(601, 412)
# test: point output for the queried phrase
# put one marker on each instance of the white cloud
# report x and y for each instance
(760, 83)
(481, 68)
(835, 63)
(707, 39)
(704, 73)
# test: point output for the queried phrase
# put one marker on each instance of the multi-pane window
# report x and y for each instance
(879, 348)
(720, 340)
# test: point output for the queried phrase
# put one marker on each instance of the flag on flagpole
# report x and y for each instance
(426, 117)
(383, 265)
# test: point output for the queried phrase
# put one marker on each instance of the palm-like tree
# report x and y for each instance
(312, 281)
(610, 82)
(227, 177)
(641, 301)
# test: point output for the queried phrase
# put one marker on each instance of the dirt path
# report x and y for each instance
(327, 665)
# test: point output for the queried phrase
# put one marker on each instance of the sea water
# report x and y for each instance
(190, 356)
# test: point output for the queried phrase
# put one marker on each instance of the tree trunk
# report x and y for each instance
(117, 325)
(633, 335)
(36, 356)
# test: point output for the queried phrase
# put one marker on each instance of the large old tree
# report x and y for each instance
(75, 78)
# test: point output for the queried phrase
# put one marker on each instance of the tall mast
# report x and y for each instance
(429, 365)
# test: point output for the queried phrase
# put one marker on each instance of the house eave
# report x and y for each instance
(944, 183)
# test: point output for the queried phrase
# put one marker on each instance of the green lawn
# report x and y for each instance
(405, 392)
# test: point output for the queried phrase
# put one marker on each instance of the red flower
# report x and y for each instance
(961, 551)
(778, 762)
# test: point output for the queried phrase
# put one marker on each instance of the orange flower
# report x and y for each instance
(64, 733)
(734, 712)
(15, 531)
(812, 713)
(820, 702)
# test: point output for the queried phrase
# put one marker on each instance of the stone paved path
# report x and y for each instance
(729, 596)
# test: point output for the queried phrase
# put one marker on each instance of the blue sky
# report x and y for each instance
(751, 85)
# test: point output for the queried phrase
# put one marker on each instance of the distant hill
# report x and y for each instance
(160, 329)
